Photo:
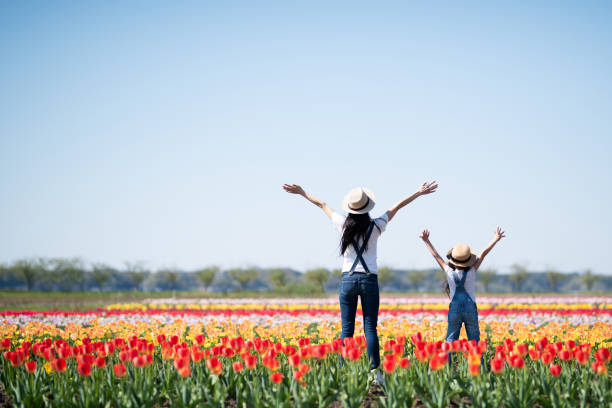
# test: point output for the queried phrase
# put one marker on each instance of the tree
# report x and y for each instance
(317, 277)
(206, 276)
(278, 277)
(137, 273)
(415, 277)
(337, 273)
(554, 278)
(385, 275)
(486, 276)
(589, 279)
(518, 276)
(68, 272)
(170, 276)
(243, 276)
(100, 273)
(28, 270)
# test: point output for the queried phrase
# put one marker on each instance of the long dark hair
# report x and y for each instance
(465, 269)
(355, 229)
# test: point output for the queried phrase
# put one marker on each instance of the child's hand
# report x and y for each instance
(499, 234)
(425, 235)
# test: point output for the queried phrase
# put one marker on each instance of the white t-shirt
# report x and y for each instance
(470, 281)
(369, 255)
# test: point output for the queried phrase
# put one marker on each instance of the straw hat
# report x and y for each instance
(359, 200)
(462, 256)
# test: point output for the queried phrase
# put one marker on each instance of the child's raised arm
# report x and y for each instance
(425, 237)
(499, 234)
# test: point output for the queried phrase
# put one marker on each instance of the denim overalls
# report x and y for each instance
(364, 285)
(462, 309)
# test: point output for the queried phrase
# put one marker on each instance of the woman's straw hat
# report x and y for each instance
(462, 256)
(359, 200)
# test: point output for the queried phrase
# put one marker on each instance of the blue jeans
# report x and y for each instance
(365, 286)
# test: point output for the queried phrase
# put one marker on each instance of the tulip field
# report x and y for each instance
(542, 351)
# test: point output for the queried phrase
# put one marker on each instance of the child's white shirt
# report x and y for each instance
(470, 281)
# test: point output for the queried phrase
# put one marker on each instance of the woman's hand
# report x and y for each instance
(294, 189)
(425, 235)
(499, 234)
(428, 188)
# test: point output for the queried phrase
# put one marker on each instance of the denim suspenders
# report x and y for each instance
(359, 251)
(460, 288)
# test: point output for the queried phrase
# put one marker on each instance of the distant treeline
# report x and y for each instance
(59, 274)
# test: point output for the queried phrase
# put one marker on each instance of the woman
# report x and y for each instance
(358, 247)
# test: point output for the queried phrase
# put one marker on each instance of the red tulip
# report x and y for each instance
(535, 354)
(602, 355)
(547, 357)
(30, 366)
(351, 353)
(294, 360)
(540, 344)
(124, 356)
(599, 367)
(521, 349)
(517, 362)
(185, 371)
(276, 378)
(389, 364)
(555, 369)
(474, 369)
(139, 361)
(237, 366)
(214, 365)
(84, 369)
(437, 361)
(180, 363)
(250, 362)
(100, 362)
(404, 363)
(119, 370)
(5, 344)
(581, 357)
(109, 348)
(565, 355)
(58, 365)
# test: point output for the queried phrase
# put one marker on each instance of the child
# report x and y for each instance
(460, 285)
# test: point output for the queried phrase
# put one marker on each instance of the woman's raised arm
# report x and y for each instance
(426, 188)
(295, 189)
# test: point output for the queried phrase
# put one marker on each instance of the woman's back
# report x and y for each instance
(370, 253)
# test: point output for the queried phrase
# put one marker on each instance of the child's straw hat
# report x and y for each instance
(462, 256)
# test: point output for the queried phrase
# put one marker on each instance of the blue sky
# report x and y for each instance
(163, 131)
